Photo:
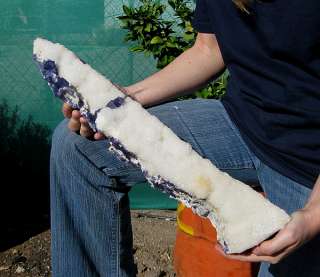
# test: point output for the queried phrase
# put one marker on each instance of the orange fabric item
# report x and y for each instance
(195, 254)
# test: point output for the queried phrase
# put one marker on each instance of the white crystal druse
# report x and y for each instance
(242, 217)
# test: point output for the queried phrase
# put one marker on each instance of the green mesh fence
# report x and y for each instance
(88, 27)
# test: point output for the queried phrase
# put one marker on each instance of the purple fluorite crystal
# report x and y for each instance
(116, 103)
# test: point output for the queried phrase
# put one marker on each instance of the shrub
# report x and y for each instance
(23, 142)
(24, 163)
(165, 39)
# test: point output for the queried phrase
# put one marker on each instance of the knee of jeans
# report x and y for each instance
(65, 154)
(63, 141)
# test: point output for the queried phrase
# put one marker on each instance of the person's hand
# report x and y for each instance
(298, 231)
(79, 124)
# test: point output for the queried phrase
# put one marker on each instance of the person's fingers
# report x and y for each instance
(99, 136)
(248, 257)
(275, 245)
(287, 237)
(85, 129)
(240, 257)
(283, 254)
(270, 259)
(254, 258)
(251, 257)
(77, 123)
(67, 110)
(74, 122)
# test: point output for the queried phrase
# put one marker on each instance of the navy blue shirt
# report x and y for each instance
(273, 95)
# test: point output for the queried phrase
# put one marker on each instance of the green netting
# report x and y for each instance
(88, 27)
(142, 196)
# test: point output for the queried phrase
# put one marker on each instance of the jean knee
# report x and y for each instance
(75, 155)
(63, 143)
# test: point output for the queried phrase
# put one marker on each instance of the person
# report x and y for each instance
(265, 129)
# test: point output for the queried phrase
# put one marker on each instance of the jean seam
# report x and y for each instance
(236, 131)
(236, 168)
(118, 240)
(247, 166)
(108, 170)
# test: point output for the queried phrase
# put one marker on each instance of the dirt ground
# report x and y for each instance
(154, 236)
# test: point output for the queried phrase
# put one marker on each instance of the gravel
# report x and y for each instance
(154, 236)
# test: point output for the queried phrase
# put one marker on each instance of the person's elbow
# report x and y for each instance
(208, 45)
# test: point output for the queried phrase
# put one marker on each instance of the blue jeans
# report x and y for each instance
(90, 217)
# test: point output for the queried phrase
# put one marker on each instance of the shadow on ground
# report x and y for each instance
(24, 185)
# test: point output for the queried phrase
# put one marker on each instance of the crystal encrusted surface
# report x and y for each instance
(242, 217)
(67, 93)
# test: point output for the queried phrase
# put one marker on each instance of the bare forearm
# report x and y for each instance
(191, 70)
(313, 207)
(315, 195)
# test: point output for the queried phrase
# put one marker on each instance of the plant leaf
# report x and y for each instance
(156, 40)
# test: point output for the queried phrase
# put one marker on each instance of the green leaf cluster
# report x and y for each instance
(24, 143)
(24, 163)
(165, 39)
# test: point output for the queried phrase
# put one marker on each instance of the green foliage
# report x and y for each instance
(216, 89)
(24, 163)
(165, 39)
(23, 142)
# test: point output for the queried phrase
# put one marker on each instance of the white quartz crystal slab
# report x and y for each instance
(242, 217)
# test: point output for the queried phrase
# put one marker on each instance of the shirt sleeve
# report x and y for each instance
(201, 20)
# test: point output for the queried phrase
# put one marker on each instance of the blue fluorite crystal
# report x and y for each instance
(50, 66)
(115, 103)
(64, 90)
